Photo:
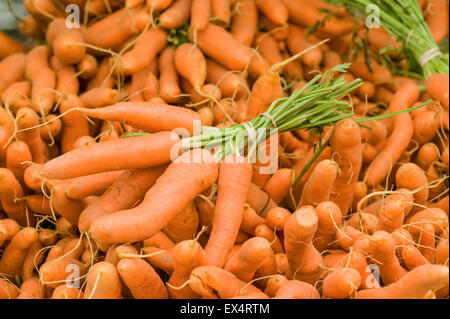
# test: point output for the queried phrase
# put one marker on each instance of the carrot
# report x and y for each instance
(304, 13)
(233, 183)
(17, 95)
(184, 225)
(10, 191)
(200, 14)
(382, 251)
(117, 253)
(32, 260)
(110, 156)
(437, 18)
(427, 242)
(161, 259)
(274, 284)
(39, 204)
(341, 283)
(31, 289)
(203, 174)
(276, 218)
(30, 26)
(43, 78)
(275, 10)
(214, 283)
(122, 194)
(377, 74)
(168, 79)
(438, 88)
(12, 68)
(143, 52)
(87, 67)
(259, 200)
(47, 237)
(318, 187)
(416, 284)
(265, 90)
(191, 64)
(330, 220)
(158, 5)
(250, 256)
(9, 46)
(148, 116)
(442, 204)
(346, 145)
(176, 15)
(413, 258)
(116, 28)
(347, 236)
(67, 48)
(380, 38)
(294, 289)
(398, 140)
(221, 12)
(187, 256)
(67, 292)
(11, 262)
(391, 215)
(141, 279)
(268, 48)
(16, 154)
(69, 208)
(230, 84)
(8, 229)
(299, 230)
(220, 45)
(427, 154)
(364, 222)
(8, 290)
(425, 126)
(103, 77)
(434, 216)
(99, 97)
(244, 24)
(297, 42)
(412, 177)
(43, 9)
(103, 282)
(279, 184)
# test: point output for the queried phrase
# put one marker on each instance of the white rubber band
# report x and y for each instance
(408, 38)
(251, 131)
(429, 55)
(270, 118)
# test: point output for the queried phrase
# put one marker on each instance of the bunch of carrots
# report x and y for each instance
(98, 201)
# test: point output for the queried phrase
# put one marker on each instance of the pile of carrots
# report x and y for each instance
(94, 204)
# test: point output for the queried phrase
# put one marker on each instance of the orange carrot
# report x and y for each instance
(67, 292)
(294, 289)
(10, 191)
(144, 51)
(377, 74)
(297, 43)
(125, 192)
(176, 15)
(304, 13)
(382, 251)
(221, 11)
(346, 145)
(437, 18)
(427, 154)
(438, 88)
(318, 187)
(168, 79)
(214, 283)
(17, 95)
(203, 174)
(245, 22)
(191, 64)
(112, 154)
(184, 225)
(275, 10)
(413, 258)
(13, 257)
(399, 139)
(330, 220)
(141, 279)
(12, 69)
(200, 14)
(87, 67)
(10, 46)
(8, 290)
(221, 46)
(341, 283)
(103, 282)
(233, 183)
(8, 229)
(416, 284)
